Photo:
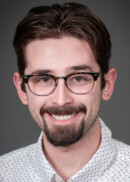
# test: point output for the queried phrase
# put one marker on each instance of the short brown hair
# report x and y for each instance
(56, 21)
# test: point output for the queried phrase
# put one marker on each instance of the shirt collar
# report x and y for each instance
(92, 170)
(43, 167)
(98, 164)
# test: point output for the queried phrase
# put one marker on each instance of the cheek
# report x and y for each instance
(34, 104)
(92, 101)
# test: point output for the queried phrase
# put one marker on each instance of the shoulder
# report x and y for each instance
(16, 154)
(122, 160)
(10, 161)
(119, 168)
(123, 150)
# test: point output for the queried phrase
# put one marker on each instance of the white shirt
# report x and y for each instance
(111, 163)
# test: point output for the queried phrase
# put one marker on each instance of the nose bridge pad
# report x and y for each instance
(56, 82)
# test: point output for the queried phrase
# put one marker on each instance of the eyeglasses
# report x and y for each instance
(77, 83)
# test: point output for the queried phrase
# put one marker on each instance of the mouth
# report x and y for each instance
(62, 118)
(62, 114)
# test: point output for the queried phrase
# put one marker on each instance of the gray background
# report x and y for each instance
(17, 128)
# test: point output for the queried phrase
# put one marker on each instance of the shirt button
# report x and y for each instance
(58, 179)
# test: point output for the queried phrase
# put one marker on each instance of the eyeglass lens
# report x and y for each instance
(77, 83)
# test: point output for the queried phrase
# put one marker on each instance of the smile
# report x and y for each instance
(62, 117)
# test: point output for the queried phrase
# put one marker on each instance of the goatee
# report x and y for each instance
(67, 134)
(64, 135)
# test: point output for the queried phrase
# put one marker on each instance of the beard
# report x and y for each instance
(69, 134)
(63, 135)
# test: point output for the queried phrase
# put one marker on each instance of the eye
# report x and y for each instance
(80, 79)
(43, 80)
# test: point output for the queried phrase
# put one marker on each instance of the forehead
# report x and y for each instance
(59, 55)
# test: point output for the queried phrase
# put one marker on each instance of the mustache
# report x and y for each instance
(67, 110)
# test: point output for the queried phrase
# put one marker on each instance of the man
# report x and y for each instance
(63, 57)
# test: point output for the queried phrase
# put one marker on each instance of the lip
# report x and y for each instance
(61, 122)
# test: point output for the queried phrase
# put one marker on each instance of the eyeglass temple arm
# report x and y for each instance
(25, 78)
(95, 76)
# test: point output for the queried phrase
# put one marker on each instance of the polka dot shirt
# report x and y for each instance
(111, 163)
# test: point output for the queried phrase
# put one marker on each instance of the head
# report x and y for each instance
(47, 28)
(56, 21)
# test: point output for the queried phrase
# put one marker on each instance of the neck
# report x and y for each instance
(66, 160)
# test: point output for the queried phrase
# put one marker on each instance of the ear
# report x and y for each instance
(17, 82)
(110, 78)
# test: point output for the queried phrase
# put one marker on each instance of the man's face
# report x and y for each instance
(60, 57)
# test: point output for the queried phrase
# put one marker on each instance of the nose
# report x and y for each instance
(61, 96)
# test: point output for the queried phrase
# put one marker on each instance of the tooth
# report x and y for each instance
(64, 117)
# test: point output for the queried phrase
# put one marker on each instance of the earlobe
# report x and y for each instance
(17, 83)
(110, 78)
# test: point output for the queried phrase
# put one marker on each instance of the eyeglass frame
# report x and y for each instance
(95, 76)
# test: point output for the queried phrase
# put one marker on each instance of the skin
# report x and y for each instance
(59, 56)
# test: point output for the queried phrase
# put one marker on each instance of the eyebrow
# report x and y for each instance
(72, 68)
(80, 67)
(41, 72)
